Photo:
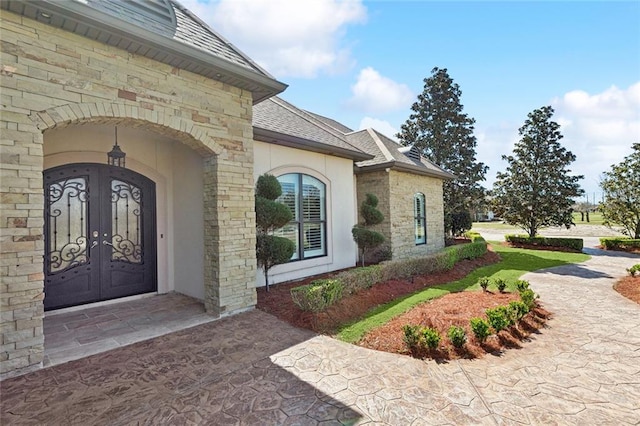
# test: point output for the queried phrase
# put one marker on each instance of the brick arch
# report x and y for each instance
(161, 120)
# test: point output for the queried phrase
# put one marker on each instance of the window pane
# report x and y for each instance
(314, 239)
(313, 198)
(290, 231)
(67, 216)
(420, 236)
(419, 218)
(289, 184)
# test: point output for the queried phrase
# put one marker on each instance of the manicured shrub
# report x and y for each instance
(457, 335)
(358, 279)
(484, 283)
(528, 297)
(501, 284)
(411, 336)
(635, 269)
(570, 243)
(318, 295)
(431, 337)
(522, 285)
(480, 328)
(518, 310)
(498, 318)
(619, 243)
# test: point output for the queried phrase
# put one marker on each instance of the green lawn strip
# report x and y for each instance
(515, 262)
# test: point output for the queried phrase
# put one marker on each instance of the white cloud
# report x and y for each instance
(373, 92)
(286, 37)
(381, 126)
(599, 129)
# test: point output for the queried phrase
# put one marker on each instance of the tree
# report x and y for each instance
(444, 133)
(367, 239)
(621, 186)
(271, 250)
(537, 190)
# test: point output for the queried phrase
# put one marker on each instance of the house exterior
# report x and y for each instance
(181, 98)
(350, 164)
(198, 121)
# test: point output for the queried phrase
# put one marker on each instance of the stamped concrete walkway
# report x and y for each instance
(584, 369)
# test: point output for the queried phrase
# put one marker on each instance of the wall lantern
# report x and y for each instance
(115, 157)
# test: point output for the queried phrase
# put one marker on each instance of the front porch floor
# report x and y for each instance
(80, 333)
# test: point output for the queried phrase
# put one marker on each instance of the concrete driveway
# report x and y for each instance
(584, 369)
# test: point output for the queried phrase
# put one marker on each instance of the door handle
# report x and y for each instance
(93, 244)
(107, 243)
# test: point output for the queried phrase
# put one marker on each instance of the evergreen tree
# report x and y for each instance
(621, 186)
(271, 250)
(536, 190)
(444, 133)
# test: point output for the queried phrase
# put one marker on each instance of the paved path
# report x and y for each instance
(584, 369)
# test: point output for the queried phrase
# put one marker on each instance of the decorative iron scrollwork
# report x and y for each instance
(126, 207)
(66, 215)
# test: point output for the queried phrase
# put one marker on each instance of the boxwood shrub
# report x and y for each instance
(619, 243)
(318, 295)
(321, 294)
(571, 243)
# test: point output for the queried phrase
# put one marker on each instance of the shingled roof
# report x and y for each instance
(162, 30)
(386, 152)
(277, 121)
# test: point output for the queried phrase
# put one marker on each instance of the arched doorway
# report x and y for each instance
(100, 227)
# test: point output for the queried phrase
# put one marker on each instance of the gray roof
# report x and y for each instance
(389, 154)
(277, 121)
(162, 30)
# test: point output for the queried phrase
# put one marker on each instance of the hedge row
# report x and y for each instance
(571, 243)
(320, 294)
(619, 243)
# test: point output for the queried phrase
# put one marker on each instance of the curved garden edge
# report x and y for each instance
(629, 287)
(378, 305)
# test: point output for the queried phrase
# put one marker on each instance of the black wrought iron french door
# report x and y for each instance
(99, 234)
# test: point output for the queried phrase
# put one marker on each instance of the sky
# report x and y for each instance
(363, 63)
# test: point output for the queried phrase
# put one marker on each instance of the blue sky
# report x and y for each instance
(363, 64)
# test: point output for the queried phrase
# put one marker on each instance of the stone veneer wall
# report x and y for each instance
(376, 183)
(52, 78)
(395, 191)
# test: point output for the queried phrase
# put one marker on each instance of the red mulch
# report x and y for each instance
(629, 287)
(441, 313)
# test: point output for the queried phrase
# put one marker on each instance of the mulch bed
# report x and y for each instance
(629, 287)
(440, 313)
(278, 300)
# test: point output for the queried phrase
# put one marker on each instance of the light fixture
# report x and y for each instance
(115, 157)
(45, 15)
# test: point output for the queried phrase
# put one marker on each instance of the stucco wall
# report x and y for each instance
(337, 174)
(50, 78)
(395, 191)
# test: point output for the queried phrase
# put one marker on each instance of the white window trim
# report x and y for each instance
(316, 261)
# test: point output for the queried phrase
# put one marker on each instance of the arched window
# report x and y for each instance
(306, 198)
(420, 218)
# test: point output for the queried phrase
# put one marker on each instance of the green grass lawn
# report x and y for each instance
(595, 218)
(515, 262)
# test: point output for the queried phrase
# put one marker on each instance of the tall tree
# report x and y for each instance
(537, 190)
(444, 133)
(271, 250)
(621, 186)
